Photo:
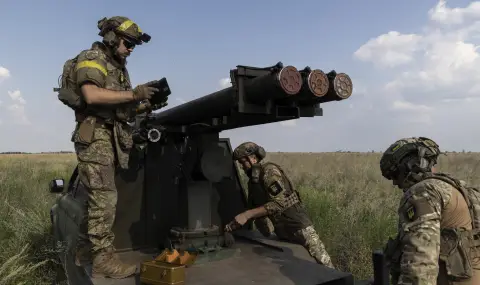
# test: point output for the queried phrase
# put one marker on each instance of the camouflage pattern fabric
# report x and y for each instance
(280, 198)
(309, 238)
(420, 222)
(107, 145)
(97, 172)
(97, 65)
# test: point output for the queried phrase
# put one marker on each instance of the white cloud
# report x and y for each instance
(425, 83)
(4, 73)
(225, 83)
(442, 62)
(17, 108)
(180, 100)
(389, 50)
(454, 16)
(407, 106)
(17, 96)
(19, 115)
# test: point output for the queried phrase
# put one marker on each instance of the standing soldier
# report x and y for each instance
(97, 86)
(435, 243)
(276, 204)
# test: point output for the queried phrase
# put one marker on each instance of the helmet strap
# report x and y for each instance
(255, 172)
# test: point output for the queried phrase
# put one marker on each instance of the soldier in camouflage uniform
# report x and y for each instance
(102, 137)
(275, 204)
(435, 243)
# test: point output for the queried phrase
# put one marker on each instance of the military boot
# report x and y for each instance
(83, 256)
(108, 264)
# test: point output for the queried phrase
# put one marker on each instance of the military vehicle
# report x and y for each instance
(183, 187)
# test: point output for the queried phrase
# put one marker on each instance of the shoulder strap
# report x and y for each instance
(458, 185)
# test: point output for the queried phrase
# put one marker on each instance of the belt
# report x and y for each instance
(99, 121)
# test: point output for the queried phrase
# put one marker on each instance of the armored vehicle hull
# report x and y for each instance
(252, 259)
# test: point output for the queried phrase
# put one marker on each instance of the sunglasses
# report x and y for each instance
(128, 44)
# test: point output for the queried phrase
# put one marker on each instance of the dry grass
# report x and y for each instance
(353, 207)
(25, 256)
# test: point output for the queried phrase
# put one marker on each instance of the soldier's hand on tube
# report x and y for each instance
(143, 91)
(230, 227)
(240, 220)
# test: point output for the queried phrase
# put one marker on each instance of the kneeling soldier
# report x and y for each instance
(276, 205)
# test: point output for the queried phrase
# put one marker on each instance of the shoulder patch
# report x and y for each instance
(418, 207)
(92, 54)
(411, 212)
(275, 188)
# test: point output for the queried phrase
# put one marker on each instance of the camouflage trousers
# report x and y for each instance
(96, 170)
(307, 237)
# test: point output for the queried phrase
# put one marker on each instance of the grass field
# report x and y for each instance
(353, 207)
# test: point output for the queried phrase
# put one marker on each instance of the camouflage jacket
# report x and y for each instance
(269, 186)
(98, 66)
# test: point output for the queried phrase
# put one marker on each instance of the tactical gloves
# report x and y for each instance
(144, 91)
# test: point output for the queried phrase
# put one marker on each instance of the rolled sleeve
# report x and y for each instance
(91, 67)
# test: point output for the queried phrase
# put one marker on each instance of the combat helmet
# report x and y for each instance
(409, 155)
(116, 26)
(248, 148)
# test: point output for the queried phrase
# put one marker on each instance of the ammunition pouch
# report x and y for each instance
(457, 248)
(71, 99)
(86, 130)
(124, 134)
(86, 125)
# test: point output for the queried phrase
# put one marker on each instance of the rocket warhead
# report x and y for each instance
(290, 80)
(343, 86)
(317, 82)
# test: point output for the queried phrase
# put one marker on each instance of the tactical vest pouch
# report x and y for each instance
(124, 134)
(87, 130)
(70, 98)
(455, 252)
(291, 200)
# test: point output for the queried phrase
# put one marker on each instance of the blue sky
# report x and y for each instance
(414, 65)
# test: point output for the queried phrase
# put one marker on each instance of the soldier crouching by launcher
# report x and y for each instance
(275, 204)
